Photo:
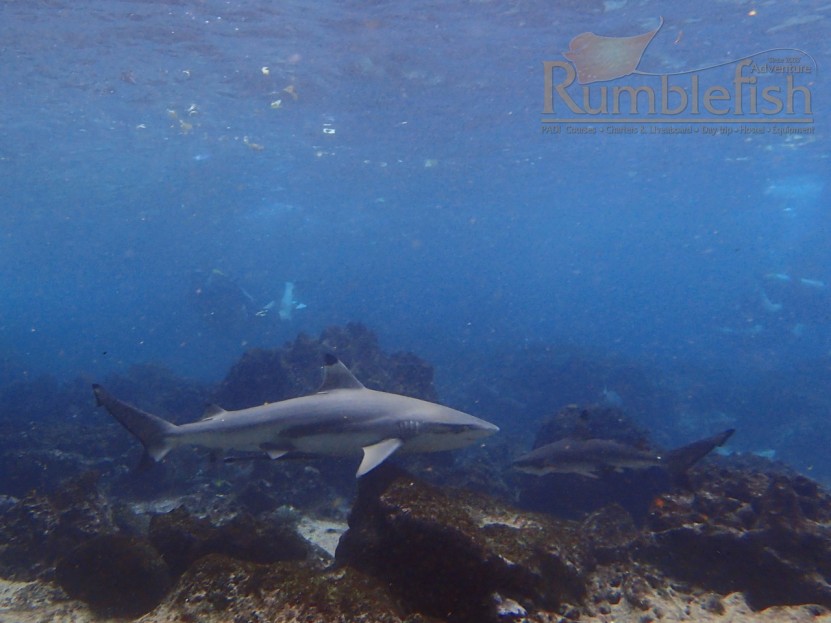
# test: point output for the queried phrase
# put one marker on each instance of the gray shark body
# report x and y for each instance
(590, 457)
(343, 418)
(584, 457)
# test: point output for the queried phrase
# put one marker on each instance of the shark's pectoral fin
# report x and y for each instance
(376, 454)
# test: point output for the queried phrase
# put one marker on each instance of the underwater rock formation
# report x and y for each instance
(764, 533)
(116, 575)
(218, 589)
(40, 529)
(50, 432)
(568, 495)
(42, 437)
(414, 552)
(271, 375)
(590, 422)
(182, 539)
(460, 556)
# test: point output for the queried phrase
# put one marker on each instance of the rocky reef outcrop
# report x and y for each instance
(765, 533)
(460, 556)
(218, 589)
(573, 496)
(116, 574)
(211, 541)
(37, 530)
(415, 551)
(182, 539)
(294, 370)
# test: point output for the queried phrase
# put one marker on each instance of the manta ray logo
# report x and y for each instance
(771, 86)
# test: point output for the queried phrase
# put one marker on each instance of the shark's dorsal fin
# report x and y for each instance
(337, 376)
(211, 411)
(376, 454)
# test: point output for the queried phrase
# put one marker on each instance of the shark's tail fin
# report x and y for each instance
(678, 461)
(154, 433)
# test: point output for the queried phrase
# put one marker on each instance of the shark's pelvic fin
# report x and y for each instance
(376, 454)
(337, 376)
(154, 433)
(274, 451)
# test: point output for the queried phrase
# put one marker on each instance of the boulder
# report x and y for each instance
(182, 539)
(572, 496)
(39, 529)
(460, 556)
(294, 370)
(764, 533)
(116, 575)
(218, 589)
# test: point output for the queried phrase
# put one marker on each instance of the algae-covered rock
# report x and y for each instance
(217, 589)
(590, 422)
(457, 555)
(116, 575)
(183, 539)
(764, 533)
(40, 529)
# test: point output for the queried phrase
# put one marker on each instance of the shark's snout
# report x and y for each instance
(479, 430)
(490, 429)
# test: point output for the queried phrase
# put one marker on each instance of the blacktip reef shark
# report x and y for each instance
(589, 457)
(341, 419)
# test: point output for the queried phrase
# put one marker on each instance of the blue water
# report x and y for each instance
(388, 159)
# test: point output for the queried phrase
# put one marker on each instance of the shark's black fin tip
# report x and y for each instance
(329, 359)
